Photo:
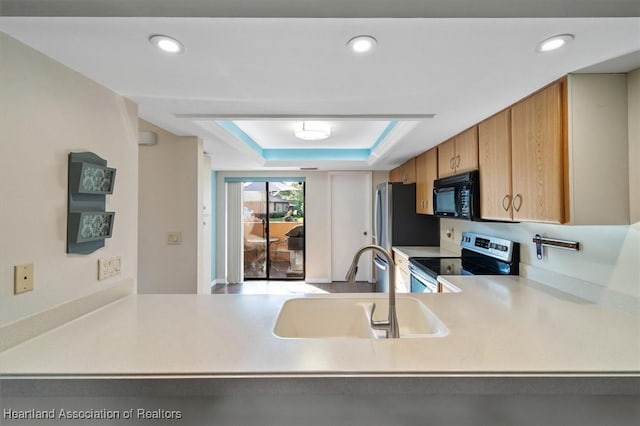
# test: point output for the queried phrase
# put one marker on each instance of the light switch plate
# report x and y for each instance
(103, 268)
(23, 278)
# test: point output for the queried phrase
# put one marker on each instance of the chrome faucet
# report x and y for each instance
(390, 326)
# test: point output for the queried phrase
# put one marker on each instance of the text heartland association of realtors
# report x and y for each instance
(91, 414)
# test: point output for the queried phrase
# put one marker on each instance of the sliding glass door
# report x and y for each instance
(273, 218)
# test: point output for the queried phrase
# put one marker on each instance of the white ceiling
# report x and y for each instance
(267, 73)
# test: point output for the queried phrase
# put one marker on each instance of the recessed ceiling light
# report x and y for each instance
(312, 130)
(362, 43)
(553, 43)
(166, 43)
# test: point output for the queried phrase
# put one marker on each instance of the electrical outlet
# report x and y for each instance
(23, 278)
(109, 266)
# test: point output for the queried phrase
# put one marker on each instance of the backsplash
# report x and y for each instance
(608, 255)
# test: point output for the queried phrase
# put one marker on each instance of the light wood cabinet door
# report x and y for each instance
(405, 173)
(446, 158)
(409, 171)
(396, 174)
(494, 158)
(426, 173)
(466, 150)
(459, 154)
(538, 157)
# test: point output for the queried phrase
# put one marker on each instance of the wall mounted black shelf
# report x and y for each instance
(88, 224)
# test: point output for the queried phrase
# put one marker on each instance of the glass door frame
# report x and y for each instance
(267, 231)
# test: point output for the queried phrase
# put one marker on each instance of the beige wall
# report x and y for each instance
(169, 201)
(47, 112)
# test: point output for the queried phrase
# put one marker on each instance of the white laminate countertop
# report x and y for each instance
(497, 325)
(423, 251)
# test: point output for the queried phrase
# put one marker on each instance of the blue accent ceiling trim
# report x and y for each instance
(306, 154)
(383, 135)
(236, 131)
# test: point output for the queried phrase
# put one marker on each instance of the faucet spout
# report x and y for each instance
(390, 326)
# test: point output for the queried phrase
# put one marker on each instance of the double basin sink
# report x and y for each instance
(329, 317)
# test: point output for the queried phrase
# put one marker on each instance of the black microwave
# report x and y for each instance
(457, 197)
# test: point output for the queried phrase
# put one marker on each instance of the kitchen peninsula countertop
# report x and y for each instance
(497, 325)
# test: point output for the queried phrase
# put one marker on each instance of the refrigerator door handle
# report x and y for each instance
(379, 264)
(377, 216)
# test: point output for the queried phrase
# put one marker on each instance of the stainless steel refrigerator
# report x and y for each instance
(398, 224)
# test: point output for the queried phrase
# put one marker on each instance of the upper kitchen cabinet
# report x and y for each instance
(494, 158)
(537, 157)
(559, 155)
(426, 173)
(459, 154)
(405, 173)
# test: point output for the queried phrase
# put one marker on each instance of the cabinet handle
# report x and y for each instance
(452, 163)
(507, 199)
(513, 203)
(457, 161)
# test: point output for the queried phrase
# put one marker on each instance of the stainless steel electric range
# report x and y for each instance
(481, 255)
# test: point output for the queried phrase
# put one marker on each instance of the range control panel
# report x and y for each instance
(491, 246)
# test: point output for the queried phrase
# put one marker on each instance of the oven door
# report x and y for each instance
(421, 283)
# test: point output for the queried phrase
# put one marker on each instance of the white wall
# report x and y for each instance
(47, 112)
(318, 254)
(633, 96)
(169, 201)
(609, 256)
(205, 224)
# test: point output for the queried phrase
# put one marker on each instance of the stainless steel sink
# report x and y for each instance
(333, 317)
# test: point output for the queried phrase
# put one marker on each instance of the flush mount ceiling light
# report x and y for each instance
(362, 44)
(553, 43)
(166, 43)
(312, 131)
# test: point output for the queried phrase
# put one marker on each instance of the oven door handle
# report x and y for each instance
(380, 264)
